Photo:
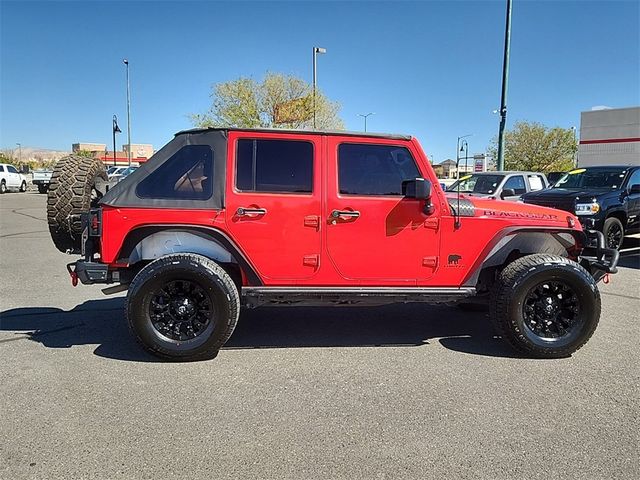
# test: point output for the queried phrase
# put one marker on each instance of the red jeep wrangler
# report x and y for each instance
(224, 218)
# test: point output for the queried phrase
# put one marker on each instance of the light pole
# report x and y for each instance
(458, 150)
(505, 82)
(126, 62)
(116, 129)
(365, 118)
(575, 153)
(316, 51)
(19, 152)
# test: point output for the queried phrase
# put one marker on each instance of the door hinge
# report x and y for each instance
(432, 223)
(312, 221)
(431, 262)
(311, 260)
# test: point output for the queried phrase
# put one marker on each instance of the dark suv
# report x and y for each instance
(604, 198)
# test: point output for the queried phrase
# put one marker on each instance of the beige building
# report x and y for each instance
(139, 150)
(89, 147)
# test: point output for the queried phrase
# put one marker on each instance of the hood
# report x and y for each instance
(561, 194)
(516, 213)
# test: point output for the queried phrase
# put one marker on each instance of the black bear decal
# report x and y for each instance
(454, 258)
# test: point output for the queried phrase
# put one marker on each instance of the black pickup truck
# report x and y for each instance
(604, 198)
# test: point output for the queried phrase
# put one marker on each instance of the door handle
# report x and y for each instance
(250, 212)
(345, 213)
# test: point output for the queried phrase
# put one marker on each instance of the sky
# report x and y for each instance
(426, 68)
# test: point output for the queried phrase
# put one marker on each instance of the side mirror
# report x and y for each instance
(634, 189)
(418, 188)
(507, 192)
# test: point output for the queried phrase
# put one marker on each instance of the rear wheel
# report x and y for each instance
(545, 306)
(613, 232)
(182, 307)
(72, 191)
(43, 188)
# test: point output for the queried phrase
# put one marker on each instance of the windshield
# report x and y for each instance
(598, 178)
(485, 184)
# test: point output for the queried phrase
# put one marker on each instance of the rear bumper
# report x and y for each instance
(89, 273)
(41, 182)
(598, 259)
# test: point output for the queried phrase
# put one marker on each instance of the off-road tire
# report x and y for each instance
(3, 187)
(514, 284)
(43, 188)
(610, 224)
(208, 275)
(23, 186)
(71, 193)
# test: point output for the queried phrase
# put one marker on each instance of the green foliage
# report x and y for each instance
(85, 153)
(531, 146)
(279, 101)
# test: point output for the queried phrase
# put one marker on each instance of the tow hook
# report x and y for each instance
(73, 274)
(606, 279)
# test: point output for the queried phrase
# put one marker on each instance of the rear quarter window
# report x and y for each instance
(186, 175)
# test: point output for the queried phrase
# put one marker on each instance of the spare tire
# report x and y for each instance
(72, 191)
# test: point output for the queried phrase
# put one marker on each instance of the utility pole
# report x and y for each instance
(126, 62)
(316, 51)
(19, 152)
(505, 82)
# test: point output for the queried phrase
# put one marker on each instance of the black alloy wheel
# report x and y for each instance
(551, 310)
(613, 233)
(181, 310)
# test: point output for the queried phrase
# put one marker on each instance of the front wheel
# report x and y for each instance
(545, 306)
(182, 307)
(613, 231)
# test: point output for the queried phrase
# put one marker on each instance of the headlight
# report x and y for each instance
(587, 208)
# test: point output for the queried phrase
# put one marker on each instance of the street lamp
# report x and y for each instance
(116, 129)
(365, 118)
(458, 150)
(126, 62)
(464, 146)
(316, 51)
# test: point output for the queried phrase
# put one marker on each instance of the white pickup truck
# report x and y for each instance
(11, 179)
(42, 179)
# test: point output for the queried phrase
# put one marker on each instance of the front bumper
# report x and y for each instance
(598, 259)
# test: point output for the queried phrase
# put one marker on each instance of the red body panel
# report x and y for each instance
(297, 242)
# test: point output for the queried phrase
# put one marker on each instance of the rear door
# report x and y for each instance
(633, 202)
(273, 202)
(374, 234)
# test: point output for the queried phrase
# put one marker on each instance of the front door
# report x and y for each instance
(273, 202)
(374, 234)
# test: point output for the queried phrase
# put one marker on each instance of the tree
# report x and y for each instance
(531, 146)
(279, 101)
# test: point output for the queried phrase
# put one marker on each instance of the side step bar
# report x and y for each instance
(319, 296)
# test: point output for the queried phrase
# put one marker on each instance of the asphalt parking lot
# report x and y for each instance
(408, 391)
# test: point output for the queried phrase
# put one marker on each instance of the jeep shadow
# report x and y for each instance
(102, 323)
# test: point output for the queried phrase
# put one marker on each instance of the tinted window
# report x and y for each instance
(187, 175)
(274, 166)
(11, 169)
(374, 169)
(1, 168)
(517, 184)
(597, 178)
(475, 183)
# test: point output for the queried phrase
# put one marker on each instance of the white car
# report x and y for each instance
(11, 179)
